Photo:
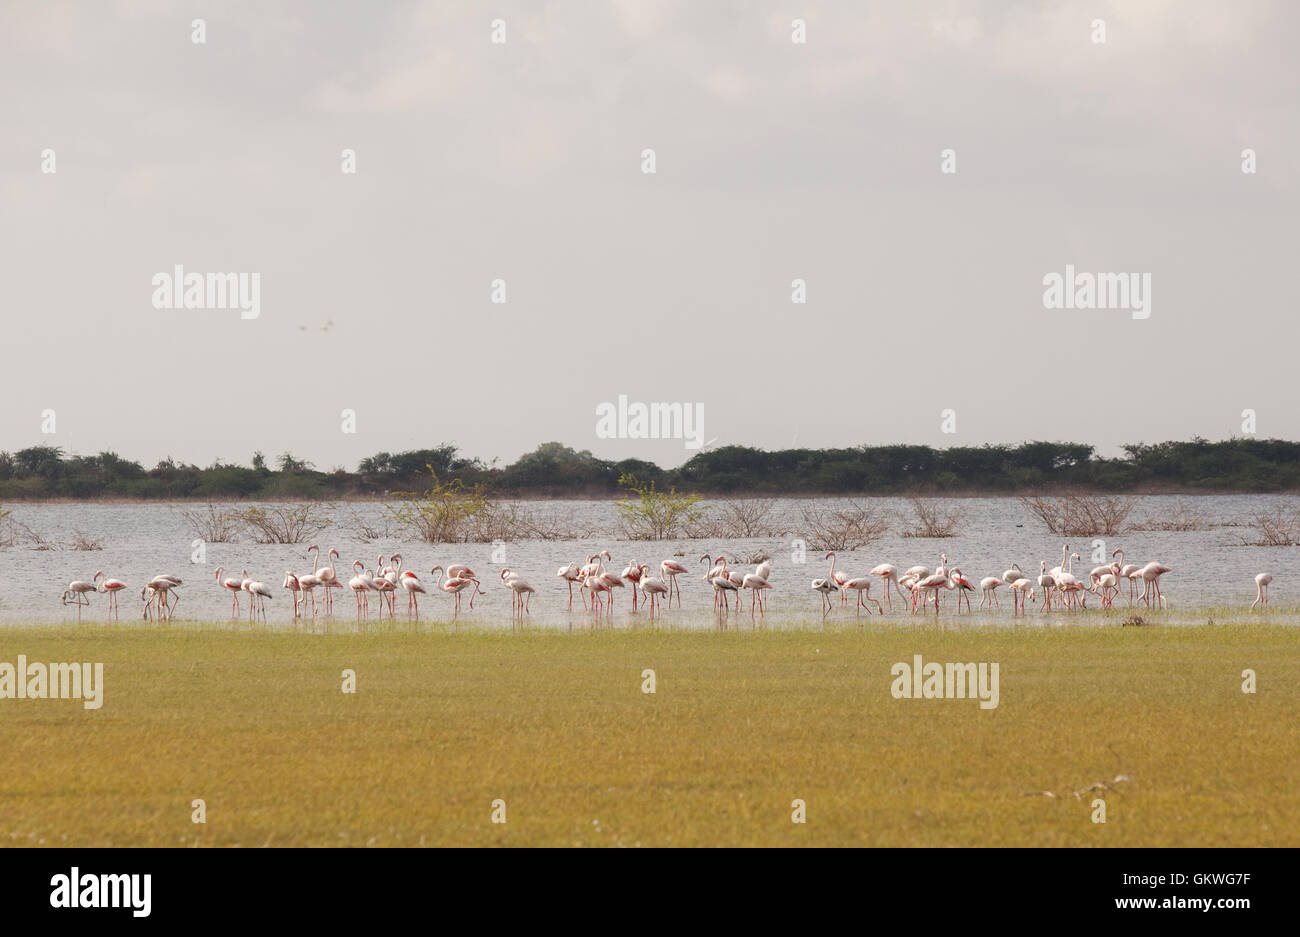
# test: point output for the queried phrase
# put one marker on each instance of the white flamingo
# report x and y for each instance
(1261, 590)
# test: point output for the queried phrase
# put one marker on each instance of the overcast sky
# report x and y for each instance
(523, 161)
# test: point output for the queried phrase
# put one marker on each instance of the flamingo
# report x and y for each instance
(593, 576)
(716, 569)
(1013, 574)
(454, 585)
(888, 573)
(414, 589)
(652, 588)
(460, 571)
(670, 570)
(111, 587)
(1126, 572)
(932, 583)
(235, 587)
(361, 584)
(291, 583)
(156, 593)
(1103, 584)
(258, 593)
(76, 595)
(522, 591)
(1047, 583)
(387, 590)
(862, 585)
(307, 587)
(571, 575)
(633, 575)
(989, 589)
(1151, 574)
(1019, 588)
(959, 582)
(720, 570)
(825, 587)
(838, 578)
(722, 584)
(327, 575)
(1261, 590)
(756, 583)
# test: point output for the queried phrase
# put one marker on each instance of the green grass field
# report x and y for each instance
(445, 722)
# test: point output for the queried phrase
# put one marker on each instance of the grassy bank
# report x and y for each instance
(556, 725)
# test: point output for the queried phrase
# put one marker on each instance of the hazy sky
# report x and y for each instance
(523, 161)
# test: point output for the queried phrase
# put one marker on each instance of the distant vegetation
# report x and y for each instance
(552, 469)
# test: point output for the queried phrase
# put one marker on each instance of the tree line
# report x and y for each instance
(556, 470)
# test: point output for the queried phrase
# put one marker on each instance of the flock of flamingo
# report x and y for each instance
(596, 584)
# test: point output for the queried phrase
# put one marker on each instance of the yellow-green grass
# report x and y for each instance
(446, 721)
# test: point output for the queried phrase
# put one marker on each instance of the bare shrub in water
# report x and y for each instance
(83, 541)
(512, 521)
(214, 524)
(24, 534)
(843, 527)
(1083, 516)
(1180, 517)
(286, 523)
(738, 519)
(366, 531)
(933, 519)
(1278, 526)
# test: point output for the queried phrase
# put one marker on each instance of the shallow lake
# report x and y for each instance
(140, 541)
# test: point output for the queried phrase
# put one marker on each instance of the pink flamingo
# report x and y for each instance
(522, 591)
(932, 584)
(959, 582)
(1151, 574)
(234, 585)
(757, 584)
(76, 595)
(651, 588)
(989, 590)
(327, 575)
(291, 583)
(1021, 588)
(670, 570)
(838, 578)
(571, 575)
(633, 575)
(111, 587)
(361, 584)
(456, 585)
(888, 573)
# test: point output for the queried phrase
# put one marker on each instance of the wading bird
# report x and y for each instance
(111, 587)
(76, 595)
(825, 587)
(652, 588)
(521, 591)
(1261, 590)
(456, 585)
(570, 574)
(989, 590)
(235, 586)
(670, 570)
